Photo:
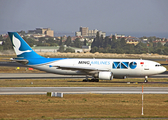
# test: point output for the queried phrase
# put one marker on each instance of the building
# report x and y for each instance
(92, 33)
(162, 42)
(84, 31)
(86, 48)
(132, 40)
(78, 34)
(117, 36)
(102, 34)
(45, 31)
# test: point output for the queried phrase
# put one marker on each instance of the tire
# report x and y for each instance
(145, 81)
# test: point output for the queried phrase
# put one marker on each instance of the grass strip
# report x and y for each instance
(78, 83)
(83, 106)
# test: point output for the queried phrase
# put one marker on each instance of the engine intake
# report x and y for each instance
(105, 75)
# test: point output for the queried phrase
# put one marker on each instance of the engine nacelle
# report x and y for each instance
(105, 75)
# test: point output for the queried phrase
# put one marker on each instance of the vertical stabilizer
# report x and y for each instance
(21, 48)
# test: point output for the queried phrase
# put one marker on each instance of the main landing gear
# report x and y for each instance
(91, 80)
(146, 79)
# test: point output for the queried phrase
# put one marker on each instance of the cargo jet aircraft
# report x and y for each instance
(104, 69)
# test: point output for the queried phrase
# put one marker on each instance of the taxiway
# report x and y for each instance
(83, 90)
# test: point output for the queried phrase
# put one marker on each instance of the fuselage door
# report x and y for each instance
(146, 66)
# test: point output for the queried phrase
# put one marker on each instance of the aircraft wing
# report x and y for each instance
(79, 68)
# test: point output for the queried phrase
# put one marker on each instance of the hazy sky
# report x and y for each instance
(69, 15)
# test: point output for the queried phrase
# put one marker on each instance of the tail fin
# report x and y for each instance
(21, 48)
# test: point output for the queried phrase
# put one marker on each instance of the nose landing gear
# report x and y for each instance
(146, 79)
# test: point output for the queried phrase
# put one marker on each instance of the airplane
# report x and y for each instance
(103, 69)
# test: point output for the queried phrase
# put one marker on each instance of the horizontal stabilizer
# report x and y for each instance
(22, 61)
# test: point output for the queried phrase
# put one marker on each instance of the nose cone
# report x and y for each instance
(159, 69)
(163, 69)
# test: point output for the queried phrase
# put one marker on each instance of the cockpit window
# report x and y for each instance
(157, 65)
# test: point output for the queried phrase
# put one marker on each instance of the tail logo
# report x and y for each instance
(16, 46)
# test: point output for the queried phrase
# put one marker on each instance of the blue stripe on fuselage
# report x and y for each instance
(38, 61)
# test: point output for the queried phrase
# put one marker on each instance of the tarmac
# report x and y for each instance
(82, 90)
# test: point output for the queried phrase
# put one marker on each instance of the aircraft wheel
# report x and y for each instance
(84, 80)
(96, 80)
(92, 80)
(146, 77)
(145, 81)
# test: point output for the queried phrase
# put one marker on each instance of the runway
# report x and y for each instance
(83, 90)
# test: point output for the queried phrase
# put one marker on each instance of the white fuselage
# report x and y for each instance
(119, 67)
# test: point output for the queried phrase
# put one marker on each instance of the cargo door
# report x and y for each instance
(146, 66)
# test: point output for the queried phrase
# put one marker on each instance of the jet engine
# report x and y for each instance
(105, 75)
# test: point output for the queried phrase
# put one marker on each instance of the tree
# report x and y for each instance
(93, 43)
(41, 41)
(68, 41)
(94, 49)
(60, 43)
(107, 42)
(85, 42)
(7, 45)
(113, 41)
(97, 40)
(122, 42)
(1, 38)
(129, 49)
(77, 43)
(30, 41)
(21, 32)
(141, 48)
(159, 45)
(113, 37)
(101, 41)
(160, 51)
(116, 44)
(69, 50)
(166, 51)
(61, 48)
(166, 45)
